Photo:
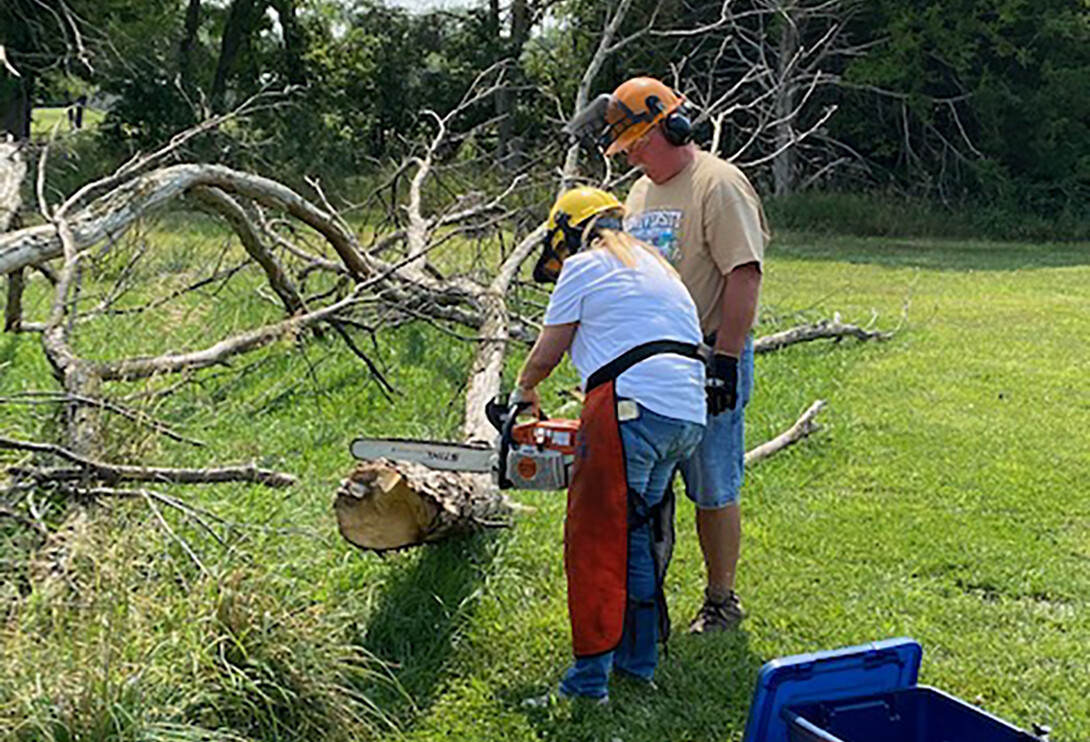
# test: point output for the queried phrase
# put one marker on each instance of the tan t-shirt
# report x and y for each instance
(706, 220)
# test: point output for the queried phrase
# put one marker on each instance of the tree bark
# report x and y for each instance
(12, 172)
(13, 310)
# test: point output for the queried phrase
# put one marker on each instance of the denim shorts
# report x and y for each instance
(713, 474)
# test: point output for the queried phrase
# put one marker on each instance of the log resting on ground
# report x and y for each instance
(386, 505)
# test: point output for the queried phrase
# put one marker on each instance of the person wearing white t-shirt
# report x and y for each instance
(632, 331)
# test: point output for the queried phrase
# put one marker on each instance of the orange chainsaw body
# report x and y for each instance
(554, 435)
(541, 454)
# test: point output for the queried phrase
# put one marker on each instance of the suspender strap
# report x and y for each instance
(630, 358)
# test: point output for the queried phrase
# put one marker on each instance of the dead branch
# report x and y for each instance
(141, 162)
(222, 204)
(75, 375)
(832, 329)
(140, 368)
(802, 428)
(112, 214)
(103, 404)
(218, 275)
(12, 172)
(88, 468)
(484, 375)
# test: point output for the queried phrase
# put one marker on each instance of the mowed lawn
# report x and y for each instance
(43, 121)
(945, 499)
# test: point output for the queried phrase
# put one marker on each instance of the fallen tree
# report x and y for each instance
(297, 239)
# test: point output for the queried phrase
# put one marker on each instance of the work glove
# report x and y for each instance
(524, 398)
(721, 384)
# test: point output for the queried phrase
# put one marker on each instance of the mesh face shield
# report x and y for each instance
(606, 119)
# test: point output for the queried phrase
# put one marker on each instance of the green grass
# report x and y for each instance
(43, 120)
(944, 500)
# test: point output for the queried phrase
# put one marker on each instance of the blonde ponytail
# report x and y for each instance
(619, 244)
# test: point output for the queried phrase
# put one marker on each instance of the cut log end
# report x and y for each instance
(385, 505)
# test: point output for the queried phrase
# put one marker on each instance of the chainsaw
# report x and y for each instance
(532, 455)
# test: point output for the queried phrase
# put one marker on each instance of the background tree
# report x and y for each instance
(975, 98)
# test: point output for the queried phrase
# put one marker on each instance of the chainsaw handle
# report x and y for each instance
(510, 417)
(505, 443)
(497, 411)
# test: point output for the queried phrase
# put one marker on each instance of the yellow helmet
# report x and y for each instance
(564, 230)
(636, 106)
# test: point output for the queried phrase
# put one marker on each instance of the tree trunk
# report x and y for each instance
(16, 104)
(294, 41)
(13, 311)
(508, 148)
(185, 50)
(239, 25)
(12, 172)
(783, 166)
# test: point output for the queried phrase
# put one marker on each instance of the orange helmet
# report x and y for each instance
(636, 106)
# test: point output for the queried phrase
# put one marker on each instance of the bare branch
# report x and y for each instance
(802, 428)
(111, 214)
(140, 368)
(231, 211)
(103, 404)
(113, 473)
(824, 330)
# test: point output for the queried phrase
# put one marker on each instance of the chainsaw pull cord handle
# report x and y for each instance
(509, 419)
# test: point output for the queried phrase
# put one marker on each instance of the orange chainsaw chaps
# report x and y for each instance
(596, 529)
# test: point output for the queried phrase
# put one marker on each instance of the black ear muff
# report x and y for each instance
(678, 127)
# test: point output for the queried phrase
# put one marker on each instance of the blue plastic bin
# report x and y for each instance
(864, 694)
(917, 714)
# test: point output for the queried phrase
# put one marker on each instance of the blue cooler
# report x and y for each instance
(864, 694)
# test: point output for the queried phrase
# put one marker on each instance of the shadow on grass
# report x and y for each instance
(704, 688)
(422, 615)
(932, 254)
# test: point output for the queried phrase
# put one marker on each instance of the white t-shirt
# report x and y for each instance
(618, 308)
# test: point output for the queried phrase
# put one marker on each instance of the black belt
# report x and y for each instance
(630, 358)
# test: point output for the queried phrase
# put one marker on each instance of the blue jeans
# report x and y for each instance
(653, 446)
(713, 474)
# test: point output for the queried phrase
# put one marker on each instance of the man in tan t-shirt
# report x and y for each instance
(706, 218)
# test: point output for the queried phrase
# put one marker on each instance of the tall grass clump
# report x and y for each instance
(120, 638)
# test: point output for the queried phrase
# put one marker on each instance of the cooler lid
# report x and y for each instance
(878, 667)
